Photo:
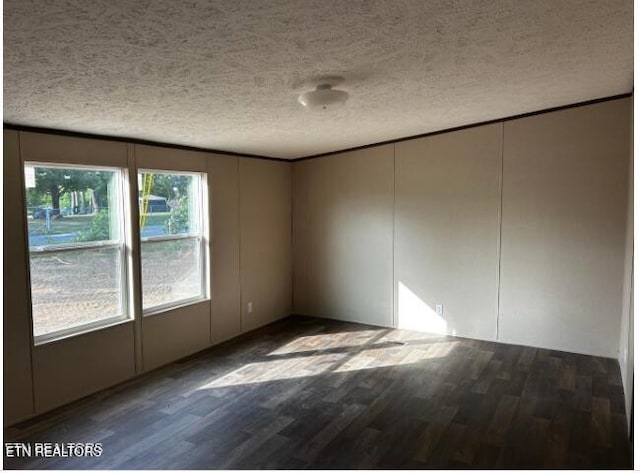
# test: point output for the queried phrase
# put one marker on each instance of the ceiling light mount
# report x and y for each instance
(324, 96)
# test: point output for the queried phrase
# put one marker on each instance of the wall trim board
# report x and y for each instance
(470, 125)
(139, 141)
(134, 141)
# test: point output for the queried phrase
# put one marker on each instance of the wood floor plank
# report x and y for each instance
(600, 427)
(430, 436)
(557, 446)
(313, 393)
(138, 448)
(501, 420)
(567, 377)
(257, 439)
(310, 449)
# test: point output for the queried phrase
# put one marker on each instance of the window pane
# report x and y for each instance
(168, 203)
(73, 288)
(171, 271)
(71, 205)
(74, 207)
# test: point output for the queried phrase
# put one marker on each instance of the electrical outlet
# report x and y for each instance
(250, 307)
(439, 309)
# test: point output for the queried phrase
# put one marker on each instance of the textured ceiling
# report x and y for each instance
(226, 74)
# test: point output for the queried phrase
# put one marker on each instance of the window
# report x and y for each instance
(171, 233)
(76, 248)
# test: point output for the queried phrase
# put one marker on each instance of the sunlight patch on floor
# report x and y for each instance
(379, 355)
(385, 357)
(264, 371)
(327, 341)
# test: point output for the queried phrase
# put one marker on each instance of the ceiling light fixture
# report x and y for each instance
(324, 96)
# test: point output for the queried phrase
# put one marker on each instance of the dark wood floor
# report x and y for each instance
(311, 393)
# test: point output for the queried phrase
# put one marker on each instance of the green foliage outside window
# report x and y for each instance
(178, 221)
(99, 229)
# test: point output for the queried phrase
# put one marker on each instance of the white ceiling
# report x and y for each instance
(226, 74)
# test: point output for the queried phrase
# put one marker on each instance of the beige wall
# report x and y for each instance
(563, 228)
(74, 367)
(247, 196)
(18, 389)
(299, 237)
(422, 212)
(265, 236)
(625, 355)
(174, 334)
(521, 240)
(224, 208)
(447, 232)
(344, 239)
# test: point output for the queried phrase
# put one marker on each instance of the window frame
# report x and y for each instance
(121, 245)
(200, 237)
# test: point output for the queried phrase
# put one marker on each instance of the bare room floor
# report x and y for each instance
(314, 393)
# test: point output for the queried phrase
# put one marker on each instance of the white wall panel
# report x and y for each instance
(174, 334)
(348, 236)
(265, 241)
(42, 147)
(447, 232)
(225, 247)
(563, 229)
(68, 369)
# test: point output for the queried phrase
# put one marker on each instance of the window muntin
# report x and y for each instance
(171, 233)
(76, 248)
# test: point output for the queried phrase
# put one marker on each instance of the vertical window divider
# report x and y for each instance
(124, 246)
(205, 242)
